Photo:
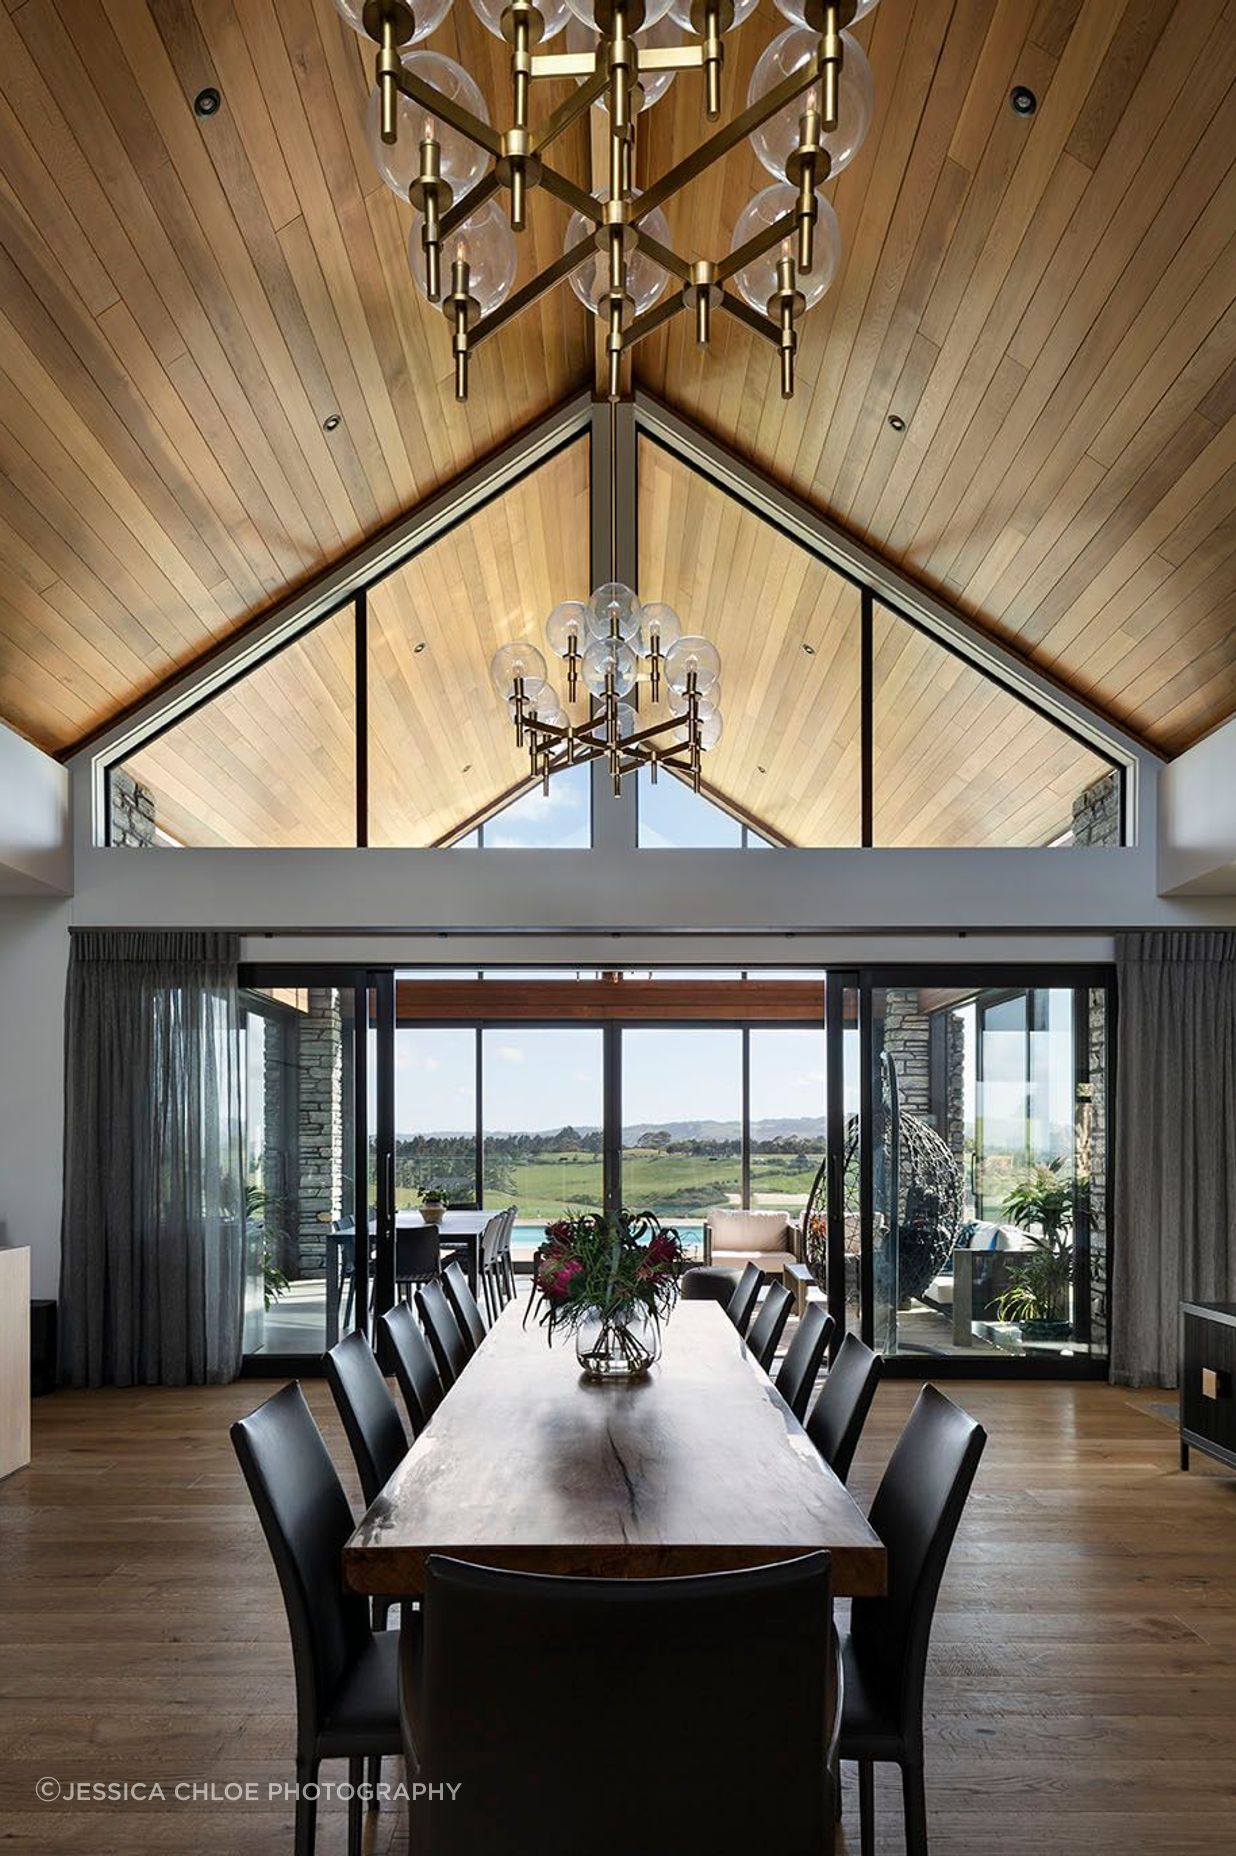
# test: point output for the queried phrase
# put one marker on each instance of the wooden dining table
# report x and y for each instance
(700, 1467)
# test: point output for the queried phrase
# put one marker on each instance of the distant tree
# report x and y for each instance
(567, 1140)
(654, 1138)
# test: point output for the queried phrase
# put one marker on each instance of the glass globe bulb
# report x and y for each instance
(775, 140)
(486, 240)
(428, 15)
(709, 703)
(680, 13)
(566, 626)
(585, 11)
(512, 661)
(613, 608)
(461, 163)
(757, 280)
(692, 654)
(645, 280)
(556, 718)
(711, 729)
(538, 695)
(628, 720)
(795, 11)
(660, 627)
(654, 85)
(609, 657)
(553, 12)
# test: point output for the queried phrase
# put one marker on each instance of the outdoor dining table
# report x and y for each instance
(700, 1467)
(462, 1229)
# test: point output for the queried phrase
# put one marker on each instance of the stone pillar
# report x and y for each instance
(907, 1039)
(132, 811)
(319, 1125)
(1096, 812)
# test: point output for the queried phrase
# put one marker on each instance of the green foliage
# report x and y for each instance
(1041, 1279)
(608, 1266)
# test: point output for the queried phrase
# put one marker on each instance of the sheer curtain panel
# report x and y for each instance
(152, 1243)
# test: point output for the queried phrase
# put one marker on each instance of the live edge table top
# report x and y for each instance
(701, 1467)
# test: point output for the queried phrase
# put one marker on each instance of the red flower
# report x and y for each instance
(556, 1281)
(561, 1229)
(664, 1248)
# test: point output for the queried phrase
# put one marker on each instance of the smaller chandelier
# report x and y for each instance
(616, 648)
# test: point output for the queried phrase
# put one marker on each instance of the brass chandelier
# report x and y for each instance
(612, 644)
(808, 108)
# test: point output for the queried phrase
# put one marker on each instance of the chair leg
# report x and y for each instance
(356, 1809)
(375, 1778)
(914, 1794)
(866, 1807)
(347, 1307)
(306, 1808)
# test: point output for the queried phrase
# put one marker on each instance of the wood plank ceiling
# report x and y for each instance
(1049, 303)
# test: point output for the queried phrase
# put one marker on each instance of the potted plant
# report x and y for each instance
(257, 1213)
(433, 1205)
(1041, 1279)
(609, 1279)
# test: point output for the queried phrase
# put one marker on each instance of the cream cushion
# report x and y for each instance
(745, 1231)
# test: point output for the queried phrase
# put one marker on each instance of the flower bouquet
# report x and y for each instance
(610, 1280)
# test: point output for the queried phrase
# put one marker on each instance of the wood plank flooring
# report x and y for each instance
(1082, 1693)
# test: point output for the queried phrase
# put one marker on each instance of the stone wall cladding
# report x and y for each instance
(319, 1125)
(1096, 812)
(132, 811)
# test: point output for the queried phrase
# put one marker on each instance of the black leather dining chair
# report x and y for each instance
(464, 1306)
(884, 1654)
(414, 1366)
(798, 1372)
(418, 1258)
(741, 1305)
(442, 1332)
(839, 1414)
(764, 1336)
(346, 1673)
(371, 1420)
(506, 1653)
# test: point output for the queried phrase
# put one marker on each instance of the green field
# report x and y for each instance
(674, 1184)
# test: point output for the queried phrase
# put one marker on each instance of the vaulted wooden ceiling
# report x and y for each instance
(1049, 303)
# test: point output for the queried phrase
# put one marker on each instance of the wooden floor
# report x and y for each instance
(1083, 1686)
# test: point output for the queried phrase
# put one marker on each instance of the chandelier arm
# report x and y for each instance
(572, 195)
(725, 138)
(451, 112)
(652, 320)
(757, 323)
(665, 257)
(671, 57)
(569, 111)
(764, 240)
(534, 288)
(464, 207)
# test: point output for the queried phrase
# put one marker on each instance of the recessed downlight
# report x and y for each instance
(207, 102)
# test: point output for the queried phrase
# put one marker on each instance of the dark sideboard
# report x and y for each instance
(1208, 1380)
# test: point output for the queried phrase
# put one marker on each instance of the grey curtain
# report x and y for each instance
(1175, 1226)
(152, 1279)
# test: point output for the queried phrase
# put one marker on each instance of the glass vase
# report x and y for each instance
(619, 1346)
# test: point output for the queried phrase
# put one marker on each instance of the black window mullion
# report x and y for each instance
(745, 1138)
(866, 697)
(361, 637)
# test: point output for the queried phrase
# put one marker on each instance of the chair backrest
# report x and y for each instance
(442, 1332)
(371, 1419)
(915, 1512)
(306, 1519)
(506, 1653)
(414, 1365)
(464, 1306)
(508, 1225)
(769, 1324)
(418, 1253)
(839, 1414)
(491, 1239)
(797, 1374)
(741, 1304)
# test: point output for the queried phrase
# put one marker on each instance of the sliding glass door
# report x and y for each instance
(301, 1047)
(985, 1208)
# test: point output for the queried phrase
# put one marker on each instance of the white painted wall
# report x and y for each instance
(36, 854)
(34, 951)
(1197, 818)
